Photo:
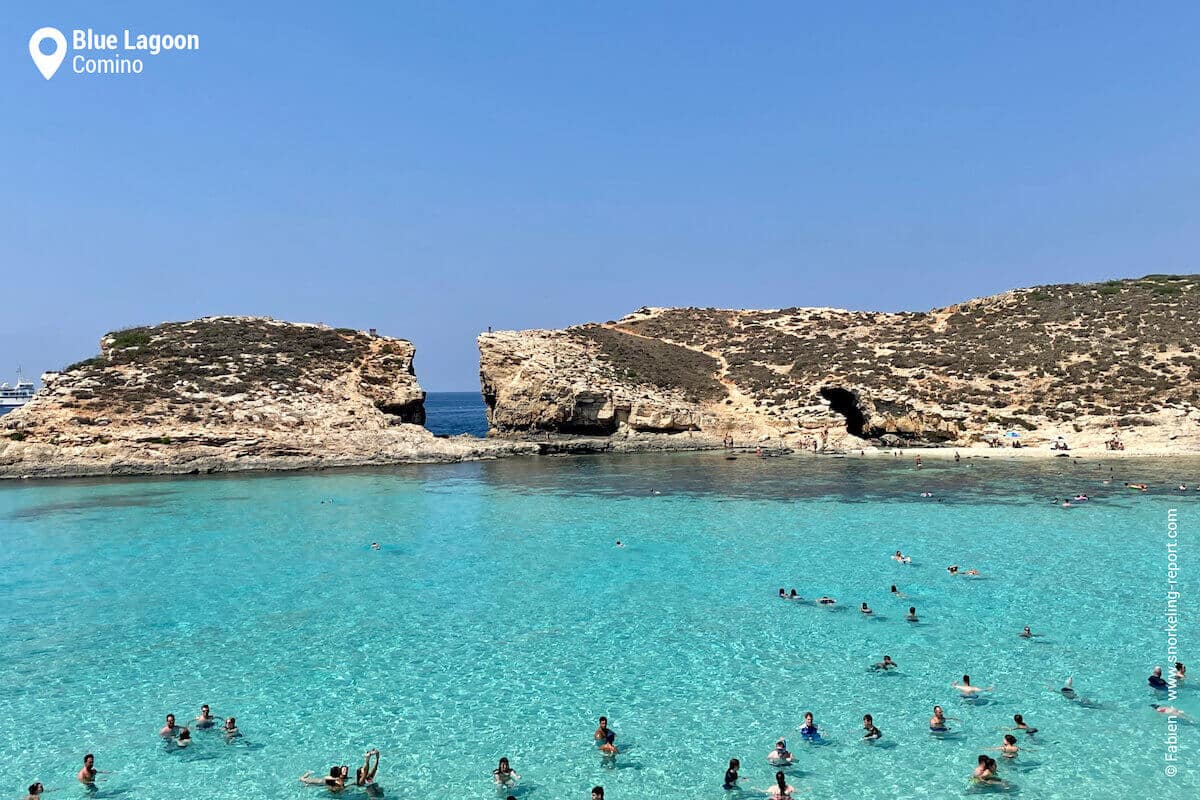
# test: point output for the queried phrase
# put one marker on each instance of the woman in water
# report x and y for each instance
(504, 775)
(335, 781)
(230, 729)
(809, 729)
(900, 558)
(912, 614)
(1180, 671)
(871, 733)
(865, 609)
(365, 775)
(206, 719)
(597, 793)
(731, 775)
(1009, 749)
(35, 790)
(781, 788)
(898, 593)
(780, 756)
(1019, 725)
(782, 593)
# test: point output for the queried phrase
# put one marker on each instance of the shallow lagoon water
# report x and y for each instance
(499, 619)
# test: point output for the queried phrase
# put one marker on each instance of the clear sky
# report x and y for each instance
(430, 169)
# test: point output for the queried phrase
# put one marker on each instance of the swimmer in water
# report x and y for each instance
(87, 775)
(619, 543)
(374, 545)
(597, 793)
(1180, 671)
(1068, 689)
(952, 569)
(230, 729)
(780, 755)
(602, 731)
(809, 729)
(1172, 711)
(826, 601)
(971, 572)
(897, 592)
(206, 719)
(1026, 633)
(335, 781)
(782, 593)
(886, 664)
(967, 689)
(794, 596)
(912, 614)
(184, 738)
(504, 775)
(937, 723)
(365, 775)
(1019, 725)
(900, 558)
(781, 788)
(1156, 680)
(36, 790)
(170, 728)
(865, 609)
(609, 748)
(983, 771)
(1009, 748)
(870, 732)
(731, 775)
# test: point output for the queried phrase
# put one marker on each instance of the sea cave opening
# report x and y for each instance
(845, 402)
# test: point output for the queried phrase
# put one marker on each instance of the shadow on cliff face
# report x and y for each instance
(846, 403)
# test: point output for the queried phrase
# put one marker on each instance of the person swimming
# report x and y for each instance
(1026, 633)
(169, 730)
(1172, 711)
(1156, 680)
(870, 732)
(731, 775)
(35, 790)
(886, 664)
(206, 719)
(809, 729)
(602, 730)
(504, 775)
(374, 545)
(780, 756)
(794, 596)
(1180, 671)
(900, 558)
(952, 569)
(335, 781)
(897, 592)
(619, 543)
(865, 609)
(1009, 748)
(967, 689)
(937, 723)
(781, 788)
(365, 775)
(87, 775)
(230, 728)
(1019, 722)
(1068, 689)
(184, 738)
(912, 614)
(826, 601)
(782, 593)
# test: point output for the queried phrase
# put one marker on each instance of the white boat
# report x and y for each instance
(13, 397)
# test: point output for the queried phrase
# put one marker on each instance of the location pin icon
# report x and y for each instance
(48, 64)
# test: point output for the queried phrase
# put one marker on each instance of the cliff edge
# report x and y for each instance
(1087, 362)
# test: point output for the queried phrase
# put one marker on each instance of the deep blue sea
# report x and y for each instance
(499, 618)
(452, 413)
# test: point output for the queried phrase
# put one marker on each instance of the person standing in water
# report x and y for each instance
(870, 732)
(781, 789)
(912, 614)
(206, 719)
(731, 775)
(602, 730)
(87, 775)
(504, 775)
(967, 689)
(170, 729)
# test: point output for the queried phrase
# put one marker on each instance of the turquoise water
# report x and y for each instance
(452, 413)
(499, 619)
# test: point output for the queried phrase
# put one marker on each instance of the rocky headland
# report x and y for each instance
(229, 394)
(1091, 363)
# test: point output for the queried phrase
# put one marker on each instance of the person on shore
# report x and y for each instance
(865, 609)
(731, 775)
(170, 729)
(206, 719)
(969, 691)
(602, 731)
(504, 775)
(1156, 680)
(1019, 725)
(780, 756)
(365, 775)
(886, 664)
(870, 732)
(781, 789)
(230, 729)
(809, 730)
(87, 775)
(912, 614)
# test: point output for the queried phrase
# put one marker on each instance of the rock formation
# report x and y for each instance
(229, 393)
(1083, 361)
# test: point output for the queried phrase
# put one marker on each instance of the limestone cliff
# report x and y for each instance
(1083, 361)
(228, 393)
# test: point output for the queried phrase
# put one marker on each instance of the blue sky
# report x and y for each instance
(430, 169)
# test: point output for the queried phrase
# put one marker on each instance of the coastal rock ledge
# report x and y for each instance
(230, 393)
(1086, 362)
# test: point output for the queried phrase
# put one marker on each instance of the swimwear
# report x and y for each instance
(1157, 682)
(731, 777)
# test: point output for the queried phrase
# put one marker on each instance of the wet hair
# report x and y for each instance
(89, 755)
(983, 759)
(912, 609)
(780, 780)
(991, 762)
(335, 771)
(937, 710)
(967, 679)
(185, 734)
(1017, 718)
(503, 763)
(171, 719)
(598, 791)
(1010, 739)
(231, 721)
(868, 718)
(893, 587)
(734, 764)
(35, 788)
(604, 720)
(808, 715)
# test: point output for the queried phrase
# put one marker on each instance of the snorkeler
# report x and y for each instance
(504, 775)
(170, 728)
(871, 733)
(780, 755)
(1156, 680)
(900, 558)
(967, 689)
(809, 729)
(912, 614)
(886, 664)
(206, 719)
(731, 775)
(87, 775)
(865, 609)
(365, 775)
